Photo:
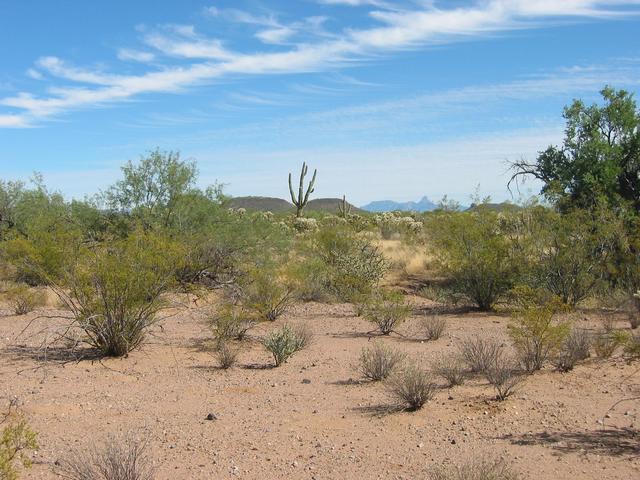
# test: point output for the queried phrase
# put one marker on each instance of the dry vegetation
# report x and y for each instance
(471, 329)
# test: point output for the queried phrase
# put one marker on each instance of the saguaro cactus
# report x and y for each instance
(301, 201)
(344, 208)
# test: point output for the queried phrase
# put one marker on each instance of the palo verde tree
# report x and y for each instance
(599, 160)
(152, 188)
(301, 201)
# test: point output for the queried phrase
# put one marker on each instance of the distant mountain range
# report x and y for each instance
(423, 205)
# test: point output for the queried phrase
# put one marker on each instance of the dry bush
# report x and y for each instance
(117, 459)
(226, 354)
(286, 341)
(387, 311)
(575, 348)
(634, 316)
(433, 327)
(451, 368)
(22, 299)
(632, 347)
(537, 336)
(478, 353)
(231, 323)
(606, 343)
(377, 362)
(503, 374)
(410, 387)
(476, 469)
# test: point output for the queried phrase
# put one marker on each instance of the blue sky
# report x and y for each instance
(389, 99)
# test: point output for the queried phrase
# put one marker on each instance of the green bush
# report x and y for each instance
(115, 290)
(572, 252)
(387, 310)
(266, 294)
(355, 266)
(231, 322)
(286, 341)
(537, 336)
(477, 253)
(16, 439)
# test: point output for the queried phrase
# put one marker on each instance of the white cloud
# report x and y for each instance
(395, 30)
(357, 3)
(128, 54)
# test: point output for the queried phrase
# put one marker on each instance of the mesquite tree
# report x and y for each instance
(301, 201)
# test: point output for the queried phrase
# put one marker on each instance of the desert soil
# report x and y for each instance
(313, 418)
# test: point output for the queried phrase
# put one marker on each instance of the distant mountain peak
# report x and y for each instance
(423, 205)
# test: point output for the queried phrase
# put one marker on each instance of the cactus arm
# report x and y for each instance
(311, 188)
(293, 196)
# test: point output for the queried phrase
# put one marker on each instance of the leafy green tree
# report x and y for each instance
(599, 160)
(152, 188)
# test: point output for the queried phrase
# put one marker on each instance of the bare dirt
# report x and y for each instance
(313, 417)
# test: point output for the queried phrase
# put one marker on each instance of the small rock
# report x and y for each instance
(306, 381)
(212, 416)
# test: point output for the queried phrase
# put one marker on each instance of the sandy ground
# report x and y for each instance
(313, 417)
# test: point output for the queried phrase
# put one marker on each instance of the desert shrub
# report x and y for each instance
(451, 368)
(226, 354)
(23, 299)
(354, 264)
(503, 374)
(433, 327)
(537, 336)
(231, 323)
(410, 387)
(118, 459)
(387, 311)
(16, 439)
(115, 291)
(476, 469)
(571, 254)
(311, 278)
(479, 353)
(632, 347)
(444, 294)
(267, 295)
(634, 316)
(286, 341)
(575, 348)
(606, 343)
(477, 254)
(377, 362)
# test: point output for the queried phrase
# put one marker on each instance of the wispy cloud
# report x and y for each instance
(129, 54)
(211, 60)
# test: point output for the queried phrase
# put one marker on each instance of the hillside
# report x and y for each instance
(328, 205)
(261, 204)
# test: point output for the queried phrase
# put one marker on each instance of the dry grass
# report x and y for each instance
(118, 459)
(377, 362)
(410, 387)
